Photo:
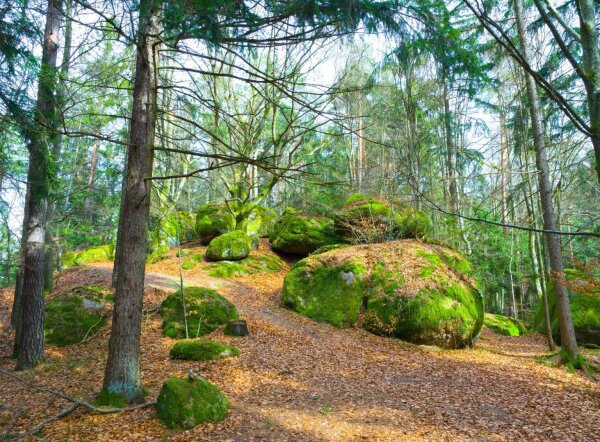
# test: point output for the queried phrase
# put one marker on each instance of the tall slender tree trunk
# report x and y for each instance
(87, 204)
(567, 331)
(51, 249)
(122, 375)
(590, 45)
(31, 339)
(503, 163)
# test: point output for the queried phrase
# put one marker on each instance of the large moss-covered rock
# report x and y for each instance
(504, 325)
(202, 350)
(206, 310)
(406, 289)
(88, 256)
(185, 403)
(585, 310)
(261, 222)
(365, 219)
(74, 315)
(230, 246)
(212, 220)
(301, 234)
(167, 230)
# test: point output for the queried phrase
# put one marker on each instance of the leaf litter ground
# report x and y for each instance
(300, 380)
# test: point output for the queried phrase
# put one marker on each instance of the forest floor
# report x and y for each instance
(300, 380)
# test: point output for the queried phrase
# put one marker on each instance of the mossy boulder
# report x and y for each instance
(585, 310)
(391, 289)
(212, 220)
(504, 325)
(248, 266)
(202, 350)
(75, 315)
(206, 311)
(185, 403)
(230, 246)
(89, 256)
(364, 219)
(261, 222)
(167, 230)
(300, 234)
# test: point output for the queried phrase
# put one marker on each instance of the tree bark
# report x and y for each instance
(567, 331)
(50, 254)
(31, 339)
(122, 374)
(590, 45)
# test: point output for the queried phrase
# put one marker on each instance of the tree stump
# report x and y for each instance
(236, 328)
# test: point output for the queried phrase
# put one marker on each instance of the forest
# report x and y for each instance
(303, 220)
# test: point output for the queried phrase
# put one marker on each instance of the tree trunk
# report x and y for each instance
(122, 375)
(87, 204)
(50, 254)
(590, 45)
(503, 163)
(31, 339)
(567, 331)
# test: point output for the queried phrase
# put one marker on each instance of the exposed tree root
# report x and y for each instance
(76, 403)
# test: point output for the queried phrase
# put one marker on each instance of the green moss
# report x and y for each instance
(167, 230)
(206, 310)
(191, 261)
(185, 403)
(202, 350)
(451, 318)
(230, 246)
(365, 219)
(261, 222)
(74, 315)
(330, 294)
(213, 220)
(301, 234)
(113, 400)
(88, 256)
(504, 325)
(585, 310)
(247, 266)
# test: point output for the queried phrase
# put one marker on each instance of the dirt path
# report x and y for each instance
(301, 380)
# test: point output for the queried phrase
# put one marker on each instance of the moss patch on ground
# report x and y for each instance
(75, 315)
(504, 325)
(248, 266)
(230, 246)
(88, 256)
(202, 350)
(386, 283)
(301, 234)
(192, 261)
(185, 403)
(206, 311)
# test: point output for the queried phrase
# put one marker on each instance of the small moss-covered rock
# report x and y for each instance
(251, 265)
(74, 315)
(185, 403)
(364, 220)
(206, 311)
(202, 350)
(504, 325)
(301, 234)
(387, 283)
(88, 256)
(230, 246)
(585, 310)
(261, 222)
(212, 220)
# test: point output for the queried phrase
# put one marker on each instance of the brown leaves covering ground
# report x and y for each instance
(305, 381)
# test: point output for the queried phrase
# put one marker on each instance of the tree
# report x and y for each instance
(31, 338)
(567, 331)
